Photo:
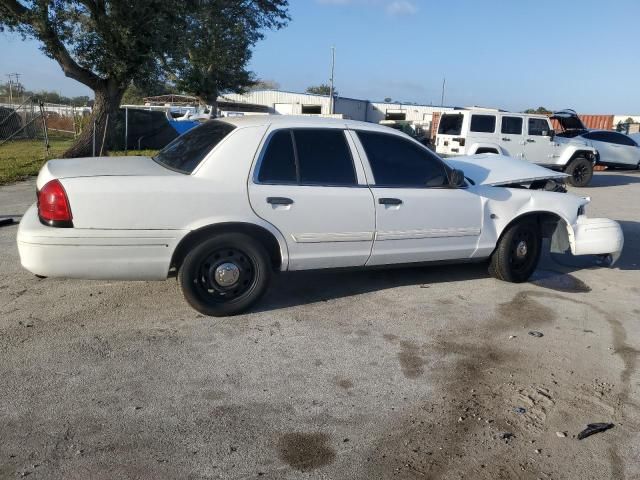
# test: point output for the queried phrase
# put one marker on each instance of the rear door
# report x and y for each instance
(512, 135)
(418, 217)
(451, 134)
(307, 184)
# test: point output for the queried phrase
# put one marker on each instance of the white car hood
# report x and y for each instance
(496, 170)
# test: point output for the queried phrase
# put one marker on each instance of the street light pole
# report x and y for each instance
(333, 66)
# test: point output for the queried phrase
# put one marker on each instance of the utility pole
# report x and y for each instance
(333, 67)
(10, 90)
(444, 83)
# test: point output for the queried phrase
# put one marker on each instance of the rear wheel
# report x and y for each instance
(580, 170)
(518, 252)
(225, 275)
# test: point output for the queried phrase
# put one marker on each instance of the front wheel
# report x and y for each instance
(518, 252)
(580, 170)
(225, 275)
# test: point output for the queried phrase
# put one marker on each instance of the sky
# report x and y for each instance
(498, 53)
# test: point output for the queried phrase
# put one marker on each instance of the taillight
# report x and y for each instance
(53, 205)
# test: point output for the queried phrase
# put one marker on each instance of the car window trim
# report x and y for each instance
(443, 164)
(298, 183)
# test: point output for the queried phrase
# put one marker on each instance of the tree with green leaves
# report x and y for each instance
(218, 46)
(539, 110)
(203, 45)
(322, 89)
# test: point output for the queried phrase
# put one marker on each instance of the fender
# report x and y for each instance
(229, 222)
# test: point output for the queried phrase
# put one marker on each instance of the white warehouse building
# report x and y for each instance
(290, 103)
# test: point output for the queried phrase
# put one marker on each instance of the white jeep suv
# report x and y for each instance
(519, 135)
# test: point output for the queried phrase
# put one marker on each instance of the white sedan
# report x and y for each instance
(232, 201)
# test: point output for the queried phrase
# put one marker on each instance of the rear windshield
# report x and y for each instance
(188, 150)
(450, 124)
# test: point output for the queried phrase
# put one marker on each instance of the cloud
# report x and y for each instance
(392, 7)
(401, 7)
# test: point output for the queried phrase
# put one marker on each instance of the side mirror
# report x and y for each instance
(456, 179)
(549, 133)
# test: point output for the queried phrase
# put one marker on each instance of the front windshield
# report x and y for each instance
(186, 152)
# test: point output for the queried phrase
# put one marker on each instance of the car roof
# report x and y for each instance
(301, 121)
(489, 111)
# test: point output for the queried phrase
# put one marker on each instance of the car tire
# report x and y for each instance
(517, 253)
(580, 172)
(225, 275)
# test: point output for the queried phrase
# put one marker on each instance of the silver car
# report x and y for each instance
(616, 149)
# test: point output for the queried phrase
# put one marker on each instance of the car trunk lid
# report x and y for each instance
(100, 166)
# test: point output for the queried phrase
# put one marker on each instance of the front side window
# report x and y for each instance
(186, 152)
(308, 157)
(396, 162)
(511, 125)
(450, 124)
(483, 123)
(538, 126)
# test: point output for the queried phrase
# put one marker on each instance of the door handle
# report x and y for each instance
(389, 201)
(279, 201)
(531, 140)
(505, 139)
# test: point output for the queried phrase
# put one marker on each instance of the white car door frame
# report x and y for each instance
(421, 224)
(325, 226)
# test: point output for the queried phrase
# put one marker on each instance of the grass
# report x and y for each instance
(24, 158)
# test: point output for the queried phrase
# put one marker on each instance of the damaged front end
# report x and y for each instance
(599, 237)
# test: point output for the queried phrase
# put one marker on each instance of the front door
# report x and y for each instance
(540, 147)
(308, 186)
(418, 217)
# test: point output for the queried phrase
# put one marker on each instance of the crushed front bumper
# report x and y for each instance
(596, 236)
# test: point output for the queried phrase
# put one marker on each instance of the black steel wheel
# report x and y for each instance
(580, 170)
(225, 275)
(517, 253)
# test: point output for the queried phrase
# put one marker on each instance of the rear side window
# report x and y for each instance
(511, 125)
(308, 157)
(483, 123)
(398, 162)
(324, 157)
(186, 152)
(450, 124)
(538, 126)
(278, 163)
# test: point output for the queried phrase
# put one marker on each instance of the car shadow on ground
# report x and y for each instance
(291, 289)
(610, 179)
(299, 288)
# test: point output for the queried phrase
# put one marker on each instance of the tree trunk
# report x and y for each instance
(108, 96)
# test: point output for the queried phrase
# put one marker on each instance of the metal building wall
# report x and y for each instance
(270, 98)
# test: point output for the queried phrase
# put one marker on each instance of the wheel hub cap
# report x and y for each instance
(227, 274)
(521, 249)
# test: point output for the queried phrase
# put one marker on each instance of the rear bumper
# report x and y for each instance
(95, 254)
(596, 236)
